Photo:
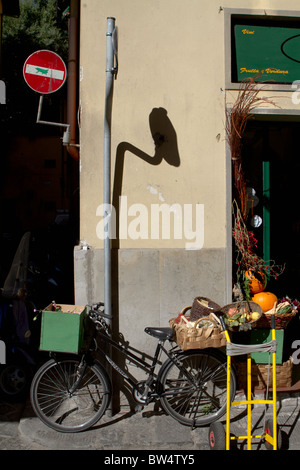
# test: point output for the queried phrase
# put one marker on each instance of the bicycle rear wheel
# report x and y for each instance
(193, 390)
(61, 409)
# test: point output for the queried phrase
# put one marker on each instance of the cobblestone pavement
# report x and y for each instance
(149, 429)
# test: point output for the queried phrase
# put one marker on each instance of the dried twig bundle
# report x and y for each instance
(246, 245)
(236, 120)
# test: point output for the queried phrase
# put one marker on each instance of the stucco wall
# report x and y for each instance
(170, 86)
(171, 72)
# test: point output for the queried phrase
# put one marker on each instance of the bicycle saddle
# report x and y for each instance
(161, 333)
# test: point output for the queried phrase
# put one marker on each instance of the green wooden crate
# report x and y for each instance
(262, 336)
(62, 330)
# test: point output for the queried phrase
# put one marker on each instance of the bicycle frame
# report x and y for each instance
(149, 368)
(182, 380)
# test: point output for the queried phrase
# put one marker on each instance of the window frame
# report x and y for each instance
(252, 14)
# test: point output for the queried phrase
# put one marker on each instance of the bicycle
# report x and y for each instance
(71, 394)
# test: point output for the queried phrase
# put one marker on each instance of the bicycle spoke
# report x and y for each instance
(194, 389)
(60, 404)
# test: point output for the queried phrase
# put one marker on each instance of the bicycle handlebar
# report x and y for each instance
(95, 309)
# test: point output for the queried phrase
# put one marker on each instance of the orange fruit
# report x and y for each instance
(265, 300)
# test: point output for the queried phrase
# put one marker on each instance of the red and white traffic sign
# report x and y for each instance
(44, 71)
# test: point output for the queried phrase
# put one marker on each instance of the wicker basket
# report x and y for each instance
(281, 319)
(259, 375)
(190, 335)
(247, 307)
(202, 307)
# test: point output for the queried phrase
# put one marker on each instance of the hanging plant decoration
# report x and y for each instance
(245, 242)
(236, 120)
(247, 259)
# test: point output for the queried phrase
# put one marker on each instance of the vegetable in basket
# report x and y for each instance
(241, 318)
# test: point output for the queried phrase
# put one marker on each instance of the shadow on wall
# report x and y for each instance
(166, 148)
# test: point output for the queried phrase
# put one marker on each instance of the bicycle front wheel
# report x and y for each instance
(65, 410)
(194, 388)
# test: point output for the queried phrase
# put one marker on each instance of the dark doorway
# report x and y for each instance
(271, 159)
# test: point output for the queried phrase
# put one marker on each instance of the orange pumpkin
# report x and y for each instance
(257, 281)
(265, 300)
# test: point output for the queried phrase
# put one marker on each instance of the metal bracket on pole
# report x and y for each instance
(113, 62)
(66, 135)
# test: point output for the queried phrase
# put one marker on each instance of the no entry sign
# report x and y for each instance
(44, 71)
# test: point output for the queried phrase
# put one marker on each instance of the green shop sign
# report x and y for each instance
(270, 53)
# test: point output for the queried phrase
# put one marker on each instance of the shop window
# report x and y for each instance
(265, 47)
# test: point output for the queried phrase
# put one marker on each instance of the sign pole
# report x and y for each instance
(110, 72)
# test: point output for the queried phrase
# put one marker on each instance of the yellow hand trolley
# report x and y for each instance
(219, 439)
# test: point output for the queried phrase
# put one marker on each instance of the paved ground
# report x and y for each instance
(147, 430)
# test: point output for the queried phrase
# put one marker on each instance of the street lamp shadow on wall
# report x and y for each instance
(166, 148)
